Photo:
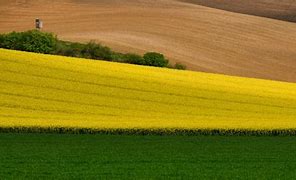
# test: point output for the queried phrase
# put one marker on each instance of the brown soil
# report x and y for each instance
(277, 9)
(205, 39)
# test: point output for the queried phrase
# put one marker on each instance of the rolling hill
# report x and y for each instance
(205, 39)
(282, 10)
(62, 94)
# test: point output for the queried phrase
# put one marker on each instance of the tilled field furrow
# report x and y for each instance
(217, 100)
(173, 81)
(197, 111)
(143, 89)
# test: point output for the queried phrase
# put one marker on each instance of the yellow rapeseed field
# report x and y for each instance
(46, 91)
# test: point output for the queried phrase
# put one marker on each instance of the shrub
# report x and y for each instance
(133, 59)
(96, 51)
(32, 41)
(11, 41)
(37, 41)
(155, 59)
(117, 57)
(1, 38)
(180, 66)
(61, 48)
(69, 49)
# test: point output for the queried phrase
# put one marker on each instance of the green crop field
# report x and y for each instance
(62, 156)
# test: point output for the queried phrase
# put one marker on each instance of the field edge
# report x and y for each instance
(154, 131)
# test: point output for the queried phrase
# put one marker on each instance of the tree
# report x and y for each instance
(180, 66)
(133, 59)
(155, 59)
(32, 41)
(96, 51)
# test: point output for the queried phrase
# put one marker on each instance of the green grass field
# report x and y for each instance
(64, 156)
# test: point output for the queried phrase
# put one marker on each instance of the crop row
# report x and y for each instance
(158, 132)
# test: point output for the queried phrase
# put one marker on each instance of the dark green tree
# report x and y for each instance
(155, 59)
(133, 59)
(32, 41)
(96, 51)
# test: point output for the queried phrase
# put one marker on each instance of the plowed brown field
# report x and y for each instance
(277, 9)
(205, 39)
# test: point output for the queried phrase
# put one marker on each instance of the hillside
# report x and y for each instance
(205, 39)
(58, 92)
(282, 10)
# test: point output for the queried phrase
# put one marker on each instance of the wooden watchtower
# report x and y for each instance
(38, 24)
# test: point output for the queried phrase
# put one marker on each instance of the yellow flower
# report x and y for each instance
(49, 91)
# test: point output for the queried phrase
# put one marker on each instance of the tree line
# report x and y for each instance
(48, 43)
